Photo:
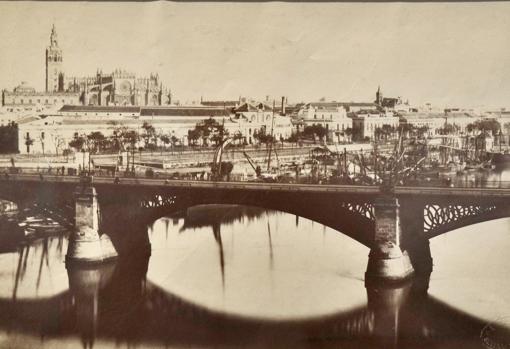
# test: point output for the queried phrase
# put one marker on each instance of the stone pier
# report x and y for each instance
(387, 261)
(86, 245)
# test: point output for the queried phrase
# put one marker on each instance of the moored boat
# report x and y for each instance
(500, 158)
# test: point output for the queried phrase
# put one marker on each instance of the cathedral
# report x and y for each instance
(117, 88)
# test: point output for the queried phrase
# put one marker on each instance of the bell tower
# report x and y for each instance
(54, 71)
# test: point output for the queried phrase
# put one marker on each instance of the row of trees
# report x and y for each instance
(211, 132)
(317, 132)
(484, 126)
(122, 138)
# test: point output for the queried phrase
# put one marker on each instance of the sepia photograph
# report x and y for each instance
(254, 175)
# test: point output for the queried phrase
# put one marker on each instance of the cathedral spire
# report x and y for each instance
(378, 96)
(53, 37)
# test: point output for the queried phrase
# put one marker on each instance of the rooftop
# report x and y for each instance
(184, 111)
(99, 109)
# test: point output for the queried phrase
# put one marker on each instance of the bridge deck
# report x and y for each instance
(260, 186)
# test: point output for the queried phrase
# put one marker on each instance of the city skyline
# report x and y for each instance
(445, 54)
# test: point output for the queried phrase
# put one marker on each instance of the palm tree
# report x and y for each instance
(28, 142)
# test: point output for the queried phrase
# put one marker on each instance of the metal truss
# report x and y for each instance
(364, 209)
(158, 200)
(438, 217)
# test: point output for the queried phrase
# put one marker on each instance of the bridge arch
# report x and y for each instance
(443, 219)
(353, 218)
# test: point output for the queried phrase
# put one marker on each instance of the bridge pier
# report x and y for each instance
(85, 243)
(387, 261)
(414, 241)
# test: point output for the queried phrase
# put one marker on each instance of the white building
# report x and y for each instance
(432, 121)
(365, 123)
(250, 119)
(330, 115)
(27, 98)
(51, 134)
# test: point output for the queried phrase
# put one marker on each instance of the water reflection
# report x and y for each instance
(264, 273)
(496, 178)
(247, 277)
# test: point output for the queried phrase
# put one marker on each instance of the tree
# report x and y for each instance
(164, 139)
(149, 136)
(348, 132)
(315, 131)
(115, 140)
(387, 130)
(58, 142)
(208, 130)
(174, 140)
(77, 142)
(193, 136)
(488, 125)
(28, 142)
(129, 138)
(238, 136)
(262, 137)
(97, 141)
(448, 129)
(294, 137)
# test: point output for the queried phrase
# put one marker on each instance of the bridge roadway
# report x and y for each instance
(264, 186)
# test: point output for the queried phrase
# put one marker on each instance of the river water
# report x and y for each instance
(233, 276)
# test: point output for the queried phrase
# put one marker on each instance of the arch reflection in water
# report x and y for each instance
(257, 265)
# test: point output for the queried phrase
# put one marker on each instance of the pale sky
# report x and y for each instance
(455, 54)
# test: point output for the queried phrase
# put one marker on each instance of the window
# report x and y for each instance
(21, 101)
(46, 101)
(38, 101)
(29, 101)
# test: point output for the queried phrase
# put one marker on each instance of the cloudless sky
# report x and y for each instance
(446, 54)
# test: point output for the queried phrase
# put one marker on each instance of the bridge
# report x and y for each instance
(396, 226)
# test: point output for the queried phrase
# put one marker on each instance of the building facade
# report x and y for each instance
(52, 134)
(330, 115)
(26, 98)
(365, 123)
(249, 119)
(432, 122)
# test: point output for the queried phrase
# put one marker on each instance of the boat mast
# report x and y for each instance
(271, 141)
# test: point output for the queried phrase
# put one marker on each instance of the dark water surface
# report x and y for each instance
(233, 276)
